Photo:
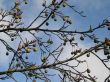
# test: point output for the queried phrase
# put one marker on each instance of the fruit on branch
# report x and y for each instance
(46, 14)
(66, 19)
(1, 25)
(34, 45)
(12, 39)
(47, 23)
(64, 43)
(35, 49)
(30, 74)
(65, 40)
(44, 59)
(97, 49)
(81, 37)
(26, 57)
(57, 6)
(20, 56)
(108, 24)
(88, 55)
(72, 39)
(88, 70)
(21, 67)
(108, 28)
(106, 52)
(72, 53)
(108, 57)
(8, 26)
(53, 15)
(46, 71)
(11, 24)
(69, 21)
(25, 1)
(55, 19)
(107, 42)
(96, 41)
(44, 3)
(78, 51)
(7, 53)
(28, 50)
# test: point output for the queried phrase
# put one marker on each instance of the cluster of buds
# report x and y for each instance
(49, 41)
(76, 51)
(64, 3)
(97, 49)
(46, 13)
(67, 19)
(107, 48)
(44, 59)
(95, 40)
(28, 46)
(18, 64)
(107, 42)
(56, 4)
(16, 12)
(54, 16)
(44, 3)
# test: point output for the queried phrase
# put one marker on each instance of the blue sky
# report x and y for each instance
(96, 11)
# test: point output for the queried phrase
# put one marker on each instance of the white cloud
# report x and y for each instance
(95, 65)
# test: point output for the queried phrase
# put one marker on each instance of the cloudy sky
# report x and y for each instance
(95, 11)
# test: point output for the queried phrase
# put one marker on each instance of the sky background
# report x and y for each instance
(96, 11)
